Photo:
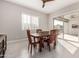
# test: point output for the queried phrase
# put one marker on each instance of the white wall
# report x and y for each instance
(50, 22)
(66, 27)
(74, 31)
(10, 20)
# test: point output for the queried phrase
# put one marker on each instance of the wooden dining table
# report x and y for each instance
(40, 38)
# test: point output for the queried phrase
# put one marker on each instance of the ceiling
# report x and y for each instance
(49, 7)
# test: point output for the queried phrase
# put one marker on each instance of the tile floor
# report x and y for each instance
(64, 49)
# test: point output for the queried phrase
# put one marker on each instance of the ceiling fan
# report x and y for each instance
(44, 1)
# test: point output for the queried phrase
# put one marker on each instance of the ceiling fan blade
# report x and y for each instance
(50, 0)
(44, 1)
(47, 0)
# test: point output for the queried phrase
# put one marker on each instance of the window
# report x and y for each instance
(29, 22)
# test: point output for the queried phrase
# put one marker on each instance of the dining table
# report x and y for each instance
(39, 37)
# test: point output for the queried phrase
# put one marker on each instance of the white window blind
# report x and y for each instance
(29, 22)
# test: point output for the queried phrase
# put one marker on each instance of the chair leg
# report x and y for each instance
(49, 46)
(31, 49)
(3, 53)
(54, 44)
(43, 45)
(28, 46)
(34, 42)
(34, 45)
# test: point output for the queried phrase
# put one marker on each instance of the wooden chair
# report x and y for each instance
(52, 38)
(31, 43)
(44, 33)
(38, 30)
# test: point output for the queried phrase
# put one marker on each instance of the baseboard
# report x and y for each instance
(14, 41)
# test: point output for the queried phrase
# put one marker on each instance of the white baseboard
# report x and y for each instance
(14, 41)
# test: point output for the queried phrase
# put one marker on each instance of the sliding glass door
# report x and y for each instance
(58, 24)
(67, 30)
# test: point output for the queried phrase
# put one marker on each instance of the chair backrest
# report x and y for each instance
(38, 30)
(29, 37)
(53, 35)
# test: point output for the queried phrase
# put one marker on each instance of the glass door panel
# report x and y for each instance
(58, 24)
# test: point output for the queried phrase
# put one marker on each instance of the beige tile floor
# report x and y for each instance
(64, 49)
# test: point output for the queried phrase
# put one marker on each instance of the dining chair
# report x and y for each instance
(31, 43)
(52, 38)
(38, 30)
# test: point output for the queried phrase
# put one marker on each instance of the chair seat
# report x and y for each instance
(35, 42)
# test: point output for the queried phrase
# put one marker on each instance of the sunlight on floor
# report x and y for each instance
(70, 42)
(74, 43)
(68, 46)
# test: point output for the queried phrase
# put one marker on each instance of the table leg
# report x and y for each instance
(34, 42)
(40, 45)
(54, 44)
